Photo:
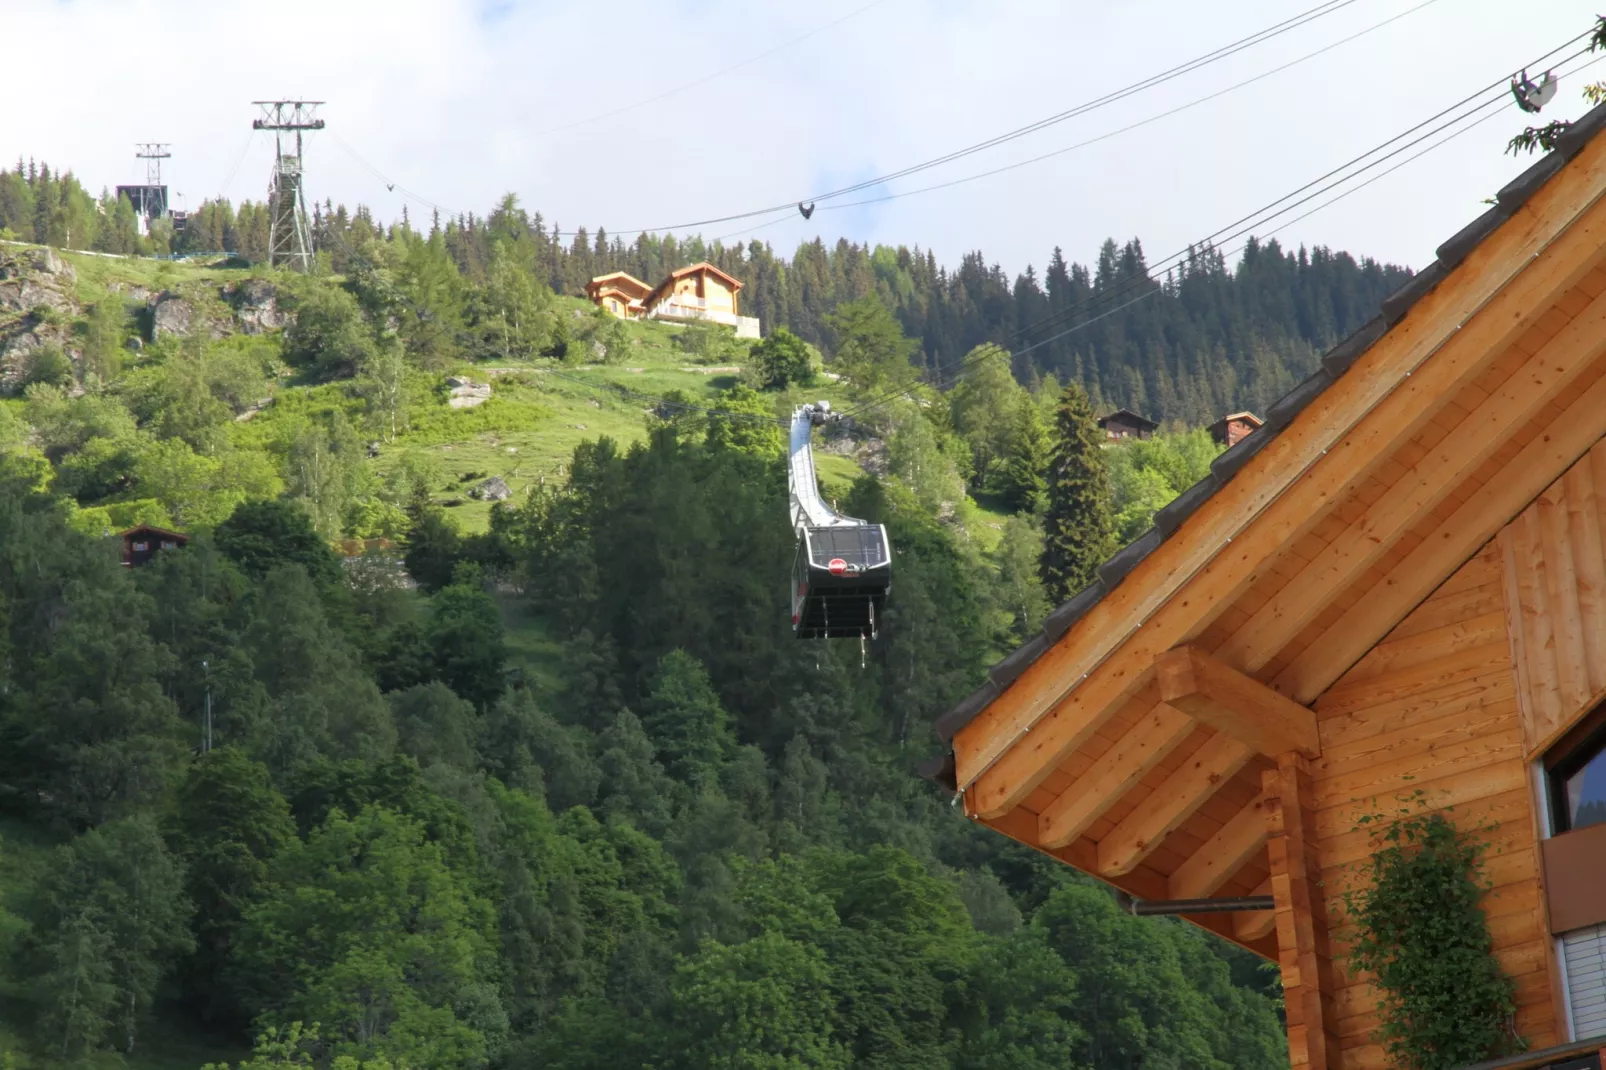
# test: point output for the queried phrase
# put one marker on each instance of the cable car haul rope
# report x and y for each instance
(843, 569)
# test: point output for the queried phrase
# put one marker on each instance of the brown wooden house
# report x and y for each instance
(143, 542)
(1234, 428)
(1397, 583)
(1123, 424)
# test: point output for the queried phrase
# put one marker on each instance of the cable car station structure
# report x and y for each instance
(1397, 583)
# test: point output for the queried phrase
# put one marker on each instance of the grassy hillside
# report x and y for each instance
(539, 410)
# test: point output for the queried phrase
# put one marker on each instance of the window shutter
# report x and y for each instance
(1585, 952)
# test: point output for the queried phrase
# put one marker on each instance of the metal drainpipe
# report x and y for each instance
(1151, 907)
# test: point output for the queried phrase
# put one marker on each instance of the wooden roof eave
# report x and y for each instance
(1348, 428)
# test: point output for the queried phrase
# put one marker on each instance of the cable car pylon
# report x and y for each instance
(843, 568)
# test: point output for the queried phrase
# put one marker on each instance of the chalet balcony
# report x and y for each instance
(685, 308)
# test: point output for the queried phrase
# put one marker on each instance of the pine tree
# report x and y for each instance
(1077, 522)
(1023, 475)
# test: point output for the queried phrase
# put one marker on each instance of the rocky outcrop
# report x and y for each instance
(494, 489)
(35, 278)
(36, 304)
(47, 261)
(171, 315)
(466, 393)
(15, 351)
(256, 306)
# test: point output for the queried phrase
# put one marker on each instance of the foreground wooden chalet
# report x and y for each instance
(1398, 582)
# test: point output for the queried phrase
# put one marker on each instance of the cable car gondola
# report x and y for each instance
(843, 569)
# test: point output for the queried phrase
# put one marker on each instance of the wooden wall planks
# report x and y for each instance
(1435, 706)
(1554, 567)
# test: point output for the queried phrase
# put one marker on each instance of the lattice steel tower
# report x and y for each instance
(289, 235)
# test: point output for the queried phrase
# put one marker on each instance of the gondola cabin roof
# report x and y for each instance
(1135, 737)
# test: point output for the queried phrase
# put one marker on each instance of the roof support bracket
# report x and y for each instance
(1235, 704)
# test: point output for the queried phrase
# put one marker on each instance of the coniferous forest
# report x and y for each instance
(315, 809)
(1215, 338)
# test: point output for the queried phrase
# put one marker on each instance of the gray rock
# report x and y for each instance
(494, 489)
(27, 294)
(256, 306)
(172, 315)
(49, 262)
(16, 353)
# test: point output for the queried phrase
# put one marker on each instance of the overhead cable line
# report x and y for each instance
(1140, 123)
(1276, 30)
(1245, 224)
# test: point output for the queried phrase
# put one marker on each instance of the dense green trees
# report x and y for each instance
(459, 874)
(675, 836)
(108, 919)
(781, 359)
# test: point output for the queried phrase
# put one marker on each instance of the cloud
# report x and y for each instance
(459, 101)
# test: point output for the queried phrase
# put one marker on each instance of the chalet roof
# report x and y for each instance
(1246, 417)
(1334, 367)
(151, 529)
(1128, 416)
(622, 281)
(703, 265)
(692, 269)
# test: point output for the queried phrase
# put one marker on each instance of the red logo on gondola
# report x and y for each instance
(837, 566)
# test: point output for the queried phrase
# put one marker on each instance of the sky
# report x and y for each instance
(634, 115)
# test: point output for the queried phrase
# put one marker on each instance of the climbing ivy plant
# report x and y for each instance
(1445, 1001)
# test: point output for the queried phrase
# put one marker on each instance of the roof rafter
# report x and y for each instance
(1144, 746)
(1136, 837)
(1224, 854)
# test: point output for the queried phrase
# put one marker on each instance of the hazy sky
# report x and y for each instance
(460, 101)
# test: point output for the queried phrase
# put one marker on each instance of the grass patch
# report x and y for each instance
(531, 646)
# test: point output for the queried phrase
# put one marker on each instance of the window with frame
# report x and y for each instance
(1576, 772)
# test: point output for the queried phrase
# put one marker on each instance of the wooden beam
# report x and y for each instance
(1303, 953)
(1252, 926)
(1142, 883)
(1223, 854)
(1338, 441)
(1145, 745)
(1237, 705)
(1545, 377)
(1448, 547)
(1130, 842)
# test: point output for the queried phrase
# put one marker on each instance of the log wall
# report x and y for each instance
(1555, 575)
(1434, 707)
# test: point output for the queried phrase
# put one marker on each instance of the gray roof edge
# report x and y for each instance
(1334, 364)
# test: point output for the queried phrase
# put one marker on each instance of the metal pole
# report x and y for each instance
(1152, 907)
(206, 738)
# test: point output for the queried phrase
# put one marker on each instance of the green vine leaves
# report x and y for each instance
(1444, 1000)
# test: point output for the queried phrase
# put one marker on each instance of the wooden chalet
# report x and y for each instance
(700, 285)
(696, 292)
(1398, 582)
(1234, 427)
(618, 292)
(1123, 424)
(145, 541)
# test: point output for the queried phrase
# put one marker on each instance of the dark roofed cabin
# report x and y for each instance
(141, 543)
(1124, 423)
(1234, 428)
